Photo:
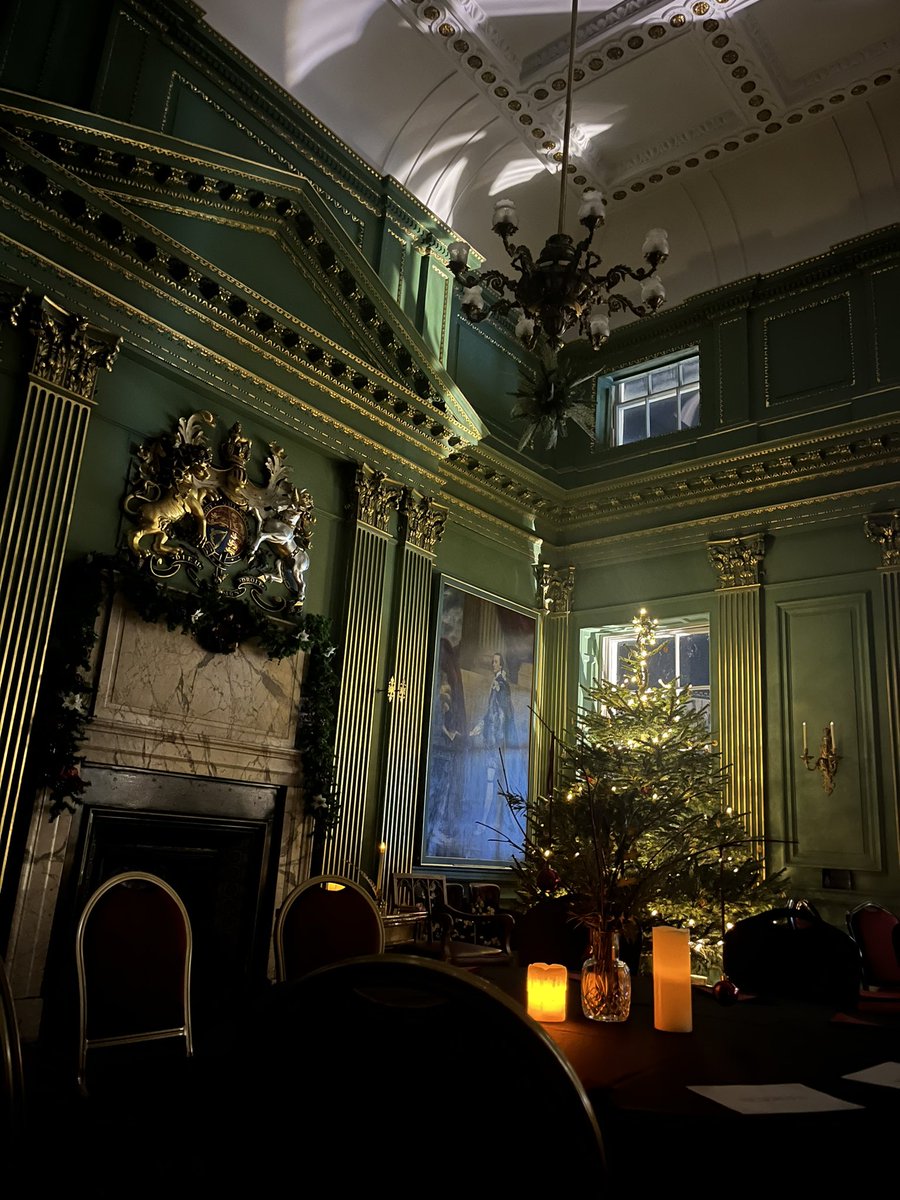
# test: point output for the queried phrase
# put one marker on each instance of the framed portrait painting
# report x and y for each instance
(479, 731)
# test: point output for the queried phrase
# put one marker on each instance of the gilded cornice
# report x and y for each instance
(355, 291)
(160, 263)
(422, 520)
(884, 530)
(737, 561)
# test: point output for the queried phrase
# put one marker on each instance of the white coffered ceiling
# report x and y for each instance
(758, 132)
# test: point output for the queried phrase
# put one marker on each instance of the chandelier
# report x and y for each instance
(562, 289)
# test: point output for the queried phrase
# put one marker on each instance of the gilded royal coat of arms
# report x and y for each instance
(189, 510)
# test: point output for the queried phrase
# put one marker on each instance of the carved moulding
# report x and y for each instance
(555, 586)
(738, 560)
(190, 513)
(884, 530)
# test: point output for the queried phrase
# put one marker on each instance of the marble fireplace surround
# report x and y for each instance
(164, 705)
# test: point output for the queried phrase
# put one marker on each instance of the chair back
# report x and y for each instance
(324, 919)
(876, 932)
(426, 893)
(794, 953)
(361, 1032)
(12, 1078)
(133, 949)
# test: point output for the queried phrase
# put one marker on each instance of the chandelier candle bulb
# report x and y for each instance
(652, 291)
(547, 985)
(472, 298)
(505, 215)
(672, 980)
(592, 206)
(459, 253)
(599, 330)
(656, 244)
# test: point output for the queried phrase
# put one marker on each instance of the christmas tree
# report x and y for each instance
(636, 831)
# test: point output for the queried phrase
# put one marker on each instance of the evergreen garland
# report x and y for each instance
(219, 623)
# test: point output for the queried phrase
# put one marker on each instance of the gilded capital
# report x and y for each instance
(423, 520)
(69, 351)
(555, 586)
(376, 497)
(884, 530)
(738, 561)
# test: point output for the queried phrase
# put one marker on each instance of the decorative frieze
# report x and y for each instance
(884, 530)
(555, 586)
(738, 560)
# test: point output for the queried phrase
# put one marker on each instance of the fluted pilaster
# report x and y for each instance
(739, 675)
(68, 353)
(422, 525)
(884, 530)
(376, 499)
(555, 586)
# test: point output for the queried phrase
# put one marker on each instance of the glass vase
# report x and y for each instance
(605, 980)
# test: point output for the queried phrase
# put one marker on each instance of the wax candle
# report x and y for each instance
(672, 980)
(379, 878)
(547, 983)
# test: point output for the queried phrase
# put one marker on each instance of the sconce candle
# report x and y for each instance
(672, 980)
(547, 984)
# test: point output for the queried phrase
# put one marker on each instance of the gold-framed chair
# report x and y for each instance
(464, 939)
(322, 920)
(133, 951)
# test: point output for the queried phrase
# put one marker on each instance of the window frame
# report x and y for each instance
(611, 405)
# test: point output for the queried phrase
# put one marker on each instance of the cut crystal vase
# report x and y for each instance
(605, 980)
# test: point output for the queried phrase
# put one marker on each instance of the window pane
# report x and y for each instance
(633, 423)
(690, 370)
(634, 387)
(661, 667)
(694, 665)
(664, 378)
(690, 408)
(663, 415)
(623, 649)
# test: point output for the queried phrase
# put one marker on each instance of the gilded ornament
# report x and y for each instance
(884, 530)
(69, 351)
(187, 510)
(423, 520)
(376, 497)
(737, 561)
(555, 586)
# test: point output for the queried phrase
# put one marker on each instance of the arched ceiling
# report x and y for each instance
(757, 132)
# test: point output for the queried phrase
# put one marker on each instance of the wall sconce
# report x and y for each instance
(828, 759)
(547, 984)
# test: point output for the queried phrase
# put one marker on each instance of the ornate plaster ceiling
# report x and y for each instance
(758, 132)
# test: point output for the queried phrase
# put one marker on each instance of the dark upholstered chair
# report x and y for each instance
(465, 939)
(876, 932)
(324, 919)
(133, 950)
(384, 1054)
(793, 952)
(12, 1079)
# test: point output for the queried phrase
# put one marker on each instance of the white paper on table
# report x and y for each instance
(772, 1098)
(886, 1074)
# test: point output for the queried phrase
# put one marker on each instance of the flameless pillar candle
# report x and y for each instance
(672, 980)
(379, 878)
(547, 991)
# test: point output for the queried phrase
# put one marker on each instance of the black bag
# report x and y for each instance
(792, 952)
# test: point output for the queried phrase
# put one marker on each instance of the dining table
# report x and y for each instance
(763, 1092)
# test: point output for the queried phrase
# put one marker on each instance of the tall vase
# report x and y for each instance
(605, 980)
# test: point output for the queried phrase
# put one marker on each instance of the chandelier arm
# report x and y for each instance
(497, 281)
(615, 276)
(618, 303)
